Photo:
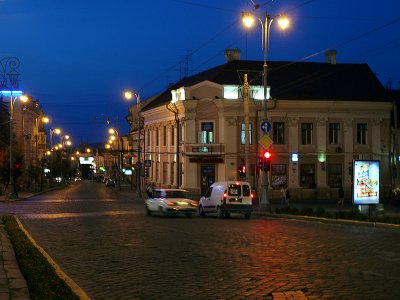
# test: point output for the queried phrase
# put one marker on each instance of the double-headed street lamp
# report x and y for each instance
(130, 95)
(9, 81)
(265, 22)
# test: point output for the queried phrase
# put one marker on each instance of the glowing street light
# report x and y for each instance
(265, 21)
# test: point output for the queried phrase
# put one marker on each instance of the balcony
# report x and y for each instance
(196, 150)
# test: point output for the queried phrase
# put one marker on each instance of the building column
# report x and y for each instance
(321, 150)
(348, 148)
(293, 140)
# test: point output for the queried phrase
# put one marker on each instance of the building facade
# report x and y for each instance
(327, 114)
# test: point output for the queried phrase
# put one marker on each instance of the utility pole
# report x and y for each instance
(246, 110)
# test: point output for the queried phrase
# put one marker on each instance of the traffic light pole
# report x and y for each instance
(264, 203)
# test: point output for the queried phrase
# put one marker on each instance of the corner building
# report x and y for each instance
(327, 113)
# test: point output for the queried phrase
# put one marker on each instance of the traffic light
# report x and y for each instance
(242, 170)
(267, 160)
(146, 172)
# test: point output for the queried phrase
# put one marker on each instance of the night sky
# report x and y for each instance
(78, 56)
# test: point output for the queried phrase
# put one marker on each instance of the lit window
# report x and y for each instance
(243, 134)
(231, 92)
(207, 133)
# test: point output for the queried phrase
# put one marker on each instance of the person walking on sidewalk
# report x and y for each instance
(283, 196)
(287, 196)
(341, 196)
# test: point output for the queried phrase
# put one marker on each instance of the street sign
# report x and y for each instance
(266, 141)
(265, 126)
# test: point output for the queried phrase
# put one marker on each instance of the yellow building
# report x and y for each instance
(328, 114)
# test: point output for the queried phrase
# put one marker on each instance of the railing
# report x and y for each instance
(204, 149)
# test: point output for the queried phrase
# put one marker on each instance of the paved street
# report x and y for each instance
(104, 241)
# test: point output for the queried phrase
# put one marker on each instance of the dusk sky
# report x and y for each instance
(78, 56)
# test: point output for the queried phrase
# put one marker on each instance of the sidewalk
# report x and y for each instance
(13, 285)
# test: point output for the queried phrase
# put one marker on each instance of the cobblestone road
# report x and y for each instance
(104, 241)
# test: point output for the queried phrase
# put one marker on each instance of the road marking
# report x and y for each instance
(78, 215)
(291, 295)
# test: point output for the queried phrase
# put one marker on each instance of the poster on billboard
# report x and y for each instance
(365, 182)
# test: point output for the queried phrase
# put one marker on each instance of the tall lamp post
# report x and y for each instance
(52, 131)
(130, 95)
(265, 22)
(10, 81)
(119, 145)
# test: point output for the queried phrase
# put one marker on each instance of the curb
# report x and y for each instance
(18, 288)
(60, 273)
(329, 221)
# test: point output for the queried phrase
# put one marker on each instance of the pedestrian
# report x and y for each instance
(341, 196)
(287, 197)
(150, 190)
(283, 196)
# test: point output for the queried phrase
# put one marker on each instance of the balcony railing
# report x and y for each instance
(204, 149)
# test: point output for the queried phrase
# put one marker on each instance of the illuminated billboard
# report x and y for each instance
(365, 182)
(86, 160)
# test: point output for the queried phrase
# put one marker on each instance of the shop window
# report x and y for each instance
(307, 176)
(278, 176)
(334, 175)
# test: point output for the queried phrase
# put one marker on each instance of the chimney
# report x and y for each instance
(330, 57)
(232, 54)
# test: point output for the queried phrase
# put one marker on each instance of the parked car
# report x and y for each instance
(170, 201)
(110, 182)
(226, 197)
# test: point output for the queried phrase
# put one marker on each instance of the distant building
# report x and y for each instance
(327, 113)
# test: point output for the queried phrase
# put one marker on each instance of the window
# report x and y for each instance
(172, 135)
(243, 134)
(165, 136)
(306, 133)
(207, 133)
(180, 134)
(362, 130)
(307, 176)
(165, 173)
(334, 175)
(148, 137)
(278, 176)
(157, 136)
(235, 190)
(278, 133)
(231, 92)
(334, 133)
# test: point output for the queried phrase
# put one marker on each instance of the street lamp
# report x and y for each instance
(112, 133)
(9, 82)
(130, 95)
(265, 22)
(13, 191)
(58, 132)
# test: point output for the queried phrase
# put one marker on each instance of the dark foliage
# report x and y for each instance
(42, 280)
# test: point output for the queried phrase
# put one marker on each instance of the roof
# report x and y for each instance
(292, 81)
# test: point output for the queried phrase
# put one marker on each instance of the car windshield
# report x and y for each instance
(175, 194)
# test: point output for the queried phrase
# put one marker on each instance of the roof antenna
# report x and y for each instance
(256, 6)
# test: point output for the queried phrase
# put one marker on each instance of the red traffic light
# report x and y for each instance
(267, 155)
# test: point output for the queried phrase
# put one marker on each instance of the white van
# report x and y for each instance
(227, 197)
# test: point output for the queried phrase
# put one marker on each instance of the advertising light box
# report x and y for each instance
(365, 182)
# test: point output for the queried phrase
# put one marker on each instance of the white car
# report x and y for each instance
(170, 201)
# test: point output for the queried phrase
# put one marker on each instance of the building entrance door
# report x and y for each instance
(207, 177)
